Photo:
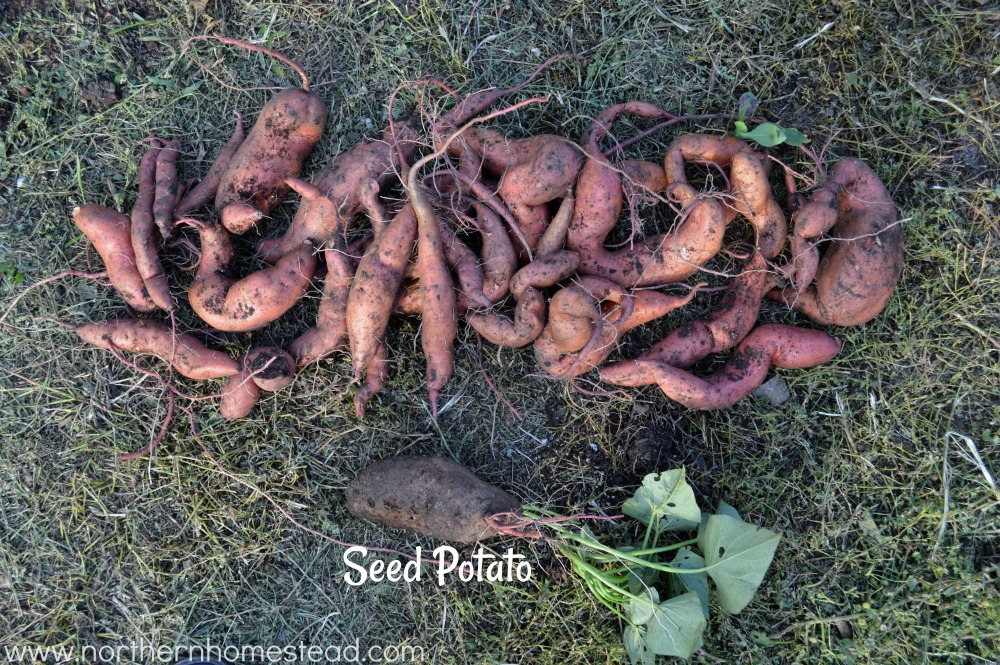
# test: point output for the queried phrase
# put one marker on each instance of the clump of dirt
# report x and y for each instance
(99, 95)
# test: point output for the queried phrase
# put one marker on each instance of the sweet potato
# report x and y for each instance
(529, 313)
(498, 256)
(111, 234)
(285, 132)
(270, 368)
(437, 292)
(146, 238)
(554, 237)
(779, 345)
(349, 180)
(700, 148)
(254, 301)
(620, 311)
(724, 328)
(374, 381)
(860, 269)
(432, 496)
(658, 259)
(165, 199)
(378, 277)
(751, 197)
(644, 176)
(574, 316)
(239, 396)
(331, 320)
(184, 352)
(205, 190)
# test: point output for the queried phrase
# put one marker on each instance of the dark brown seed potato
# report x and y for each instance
(432, 496)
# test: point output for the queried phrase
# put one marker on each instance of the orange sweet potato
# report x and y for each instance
(779, 345)
(724, 328)
(146, 237)
(352, 180)
(111, 234)
(184, 352)
(284, 134)
(658, 259)
(331, 320)
(620, 311)
(205, 190)
(378, 278)
(165, 199)
(239, 396)
(270, 368)
(858, 272)
(254, 301)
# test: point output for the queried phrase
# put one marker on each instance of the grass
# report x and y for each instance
(891, 550)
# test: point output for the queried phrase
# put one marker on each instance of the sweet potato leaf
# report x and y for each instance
(737, 556)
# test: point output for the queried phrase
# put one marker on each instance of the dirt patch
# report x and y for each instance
(99, 95)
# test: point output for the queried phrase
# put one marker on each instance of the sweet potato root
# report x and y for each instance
(184, 352)
(270, 367)
(529, 313)
(205, 190)
(432, 496)
(349, 180)
(620, 311)
(724, 328)
(239, 396)
(378, 278)
(111, 234)
(752, 198)
(254, 301)
(146, 239)
(658, 259)
(860, 269)
(284, 134)
(166, 187)
(779, 345)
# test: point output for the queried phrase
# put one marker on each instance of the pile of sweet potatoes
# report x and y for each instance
(449, 220)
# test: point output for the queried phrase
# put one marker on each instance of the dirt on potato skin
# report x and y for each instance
(433, 496)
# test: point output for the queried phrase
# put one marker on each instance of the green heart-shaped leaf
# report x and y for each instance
(737, 556)
(676, 627)
(665, 500)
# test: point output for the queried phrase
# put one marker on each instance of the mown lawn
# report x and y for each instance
(891, 544)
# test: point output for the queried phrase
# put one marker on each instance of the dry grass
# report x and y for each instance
(854, 471)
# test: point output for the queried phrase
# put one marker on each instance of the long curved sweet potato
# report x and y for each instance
(254, 301)
(111, 234)
(751, 197)
(432, 496)
(284, 134)
(184, 352)
(860, 269)
(727, 325)
(529, 313)
(205, 190)
(774, 344)
(377, 279)
(146, 237)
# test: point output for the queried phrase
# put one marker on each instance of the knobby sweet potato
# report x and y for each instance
(284, 134)
(254, 301)
(859, 270)
(432, 496)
